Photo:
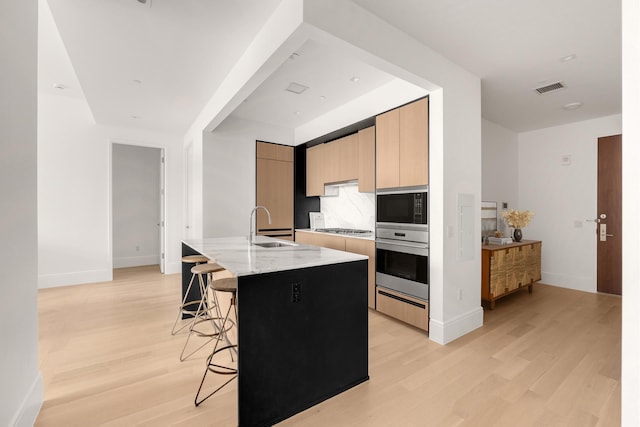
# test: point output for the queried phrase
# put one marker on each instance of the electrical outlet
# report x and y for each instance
(296, 295)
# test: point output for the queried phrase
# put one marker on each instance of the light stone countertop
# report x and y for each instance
(236, 255)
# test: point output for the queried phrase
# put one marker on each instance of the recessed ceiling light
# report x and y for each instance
(322, 98)
(134, 117)
(136, 81)
(355, 79)
(59, 86)
(296, 113)
(568, 58)
(572, 105)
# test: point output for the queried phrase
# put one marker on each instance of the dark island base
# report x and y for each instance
(298, 348)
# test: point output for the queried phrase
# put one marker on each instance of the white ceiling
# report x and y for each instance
(181, 51)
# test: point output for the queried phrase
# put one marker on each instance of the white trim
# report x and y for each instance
(445, 332)
(74, 278)
(163, 201)
(31, 404)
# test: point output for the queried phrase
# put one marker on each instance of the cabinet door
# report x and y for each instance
(274, 190)
(347, 157)
(366, 247)
(323, 240)
(330, 164)
(366, 160)
(315, 171)
(414, 143)
(267, 150)
(388, 149)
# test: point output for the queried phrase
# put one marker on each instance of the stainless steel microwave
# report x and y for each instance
(402, 207)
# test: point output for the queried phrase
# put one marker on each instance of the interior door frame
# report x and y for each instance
(162, 207)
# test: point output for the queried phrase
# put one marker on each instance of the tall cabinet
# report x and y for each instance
(402, 146)
(274, 189)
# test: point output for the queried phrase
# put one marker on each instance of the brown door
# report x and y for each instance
(610, 214)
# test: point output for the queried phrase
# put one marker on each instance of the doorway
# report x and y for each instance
(137, 206)
(609, 219)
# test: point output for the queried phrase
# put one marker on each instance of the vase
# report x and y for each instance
(517, 234)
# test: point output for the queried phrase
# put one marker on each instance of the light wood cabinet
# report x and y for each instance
(330, 241)
(333, 162)
(366, 160)
(411, 310)
(509, 268)
(348, 244)
(347, 158)
(315, 170)
(414, 143)
(274, 189)
(265, 150)
(402, 146)
(388, 149)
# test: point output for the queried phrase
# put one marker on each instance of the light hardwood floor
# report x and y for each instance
(550, 358)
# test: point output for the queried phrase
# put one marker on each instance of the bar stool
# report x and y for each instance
(207, 312)
(223, 285)
(188, 307)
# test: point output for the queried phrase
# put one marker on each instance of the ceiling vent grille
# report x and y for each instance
(297, 88)
(550, 88)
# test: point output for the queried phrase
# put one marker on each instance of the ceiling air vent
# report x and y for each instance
(550, 88)
(297, 88)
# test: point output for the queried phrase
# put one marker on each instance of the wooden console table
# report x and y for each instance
(509, 268)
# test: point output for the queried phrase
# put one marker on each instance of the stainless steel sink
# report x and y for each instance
(274, 244)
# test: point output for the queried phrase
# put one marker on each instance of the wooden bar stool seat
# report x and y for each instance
(189, 308)
(206, 318)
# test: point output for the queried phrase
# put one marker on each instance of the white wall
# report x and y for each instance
(21, 382)
(630, 209)
(563, 197)
(74, 192)
(229, 174)
(136, 205)
(499, 166)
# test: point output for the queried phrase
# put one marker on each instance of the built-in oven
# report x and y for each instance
(402, 259)
(402, 206)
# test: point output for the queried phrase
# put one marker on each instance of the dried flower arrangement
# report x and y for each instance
(517, 219)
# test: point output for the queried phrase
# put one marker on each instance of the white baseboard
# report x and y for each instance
(586, 284)
(31, 404)
(135, 261)
(445, 332)
(74, 278)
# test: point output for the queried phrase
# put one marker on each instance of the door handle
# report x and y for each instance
(603, 233)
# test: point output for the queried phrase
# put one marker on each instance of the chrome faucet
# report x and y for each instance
(251, 232)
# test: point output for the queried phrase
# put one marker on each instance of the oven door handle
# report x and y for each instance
(389, 244)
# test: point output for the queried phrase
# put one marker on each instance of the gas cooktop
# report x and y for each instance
(342, 230)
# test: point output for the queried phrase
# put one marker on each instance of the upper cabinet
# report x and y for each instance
(347, 158)
(335, 161)
(315, 170)
(366, 159)
(402, 146)
(274, 189)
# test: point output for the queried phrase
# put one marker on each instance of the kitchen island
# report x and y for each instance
(302, 322)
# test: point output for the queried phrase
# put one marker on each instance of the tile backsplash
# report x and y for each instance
(349, 209)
